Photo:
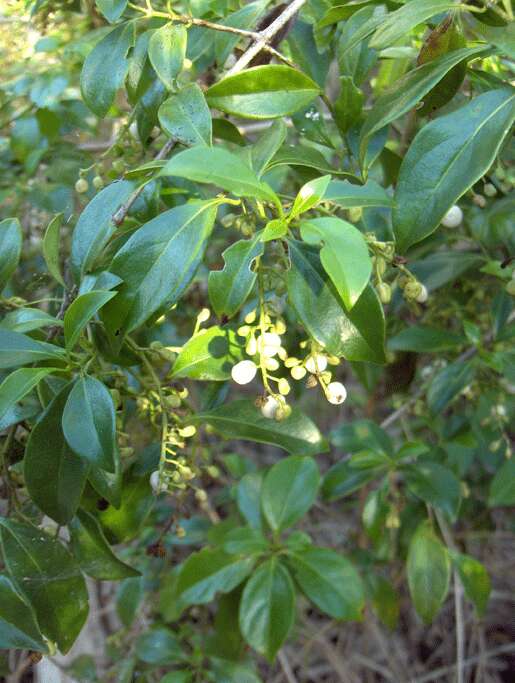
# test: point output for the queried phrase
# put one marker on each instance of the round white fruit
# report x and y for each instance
(316, 363)
(422, 297)
(453, 217)
(270, 407)
(336, 393)
(244, 372)
(154, 481)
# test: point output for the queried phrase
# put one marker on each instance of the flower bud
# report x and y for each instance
(316, 363)
(423, 296)
(412, 290)
(298, 372)
(244, 372)
(269, 407)
(453, 217)
(81, 186)
(490, 190)
(384, 292)
(154, 482)
(284, 386)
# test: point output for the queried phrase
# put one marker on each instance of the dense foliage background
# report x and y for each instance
(256, 326)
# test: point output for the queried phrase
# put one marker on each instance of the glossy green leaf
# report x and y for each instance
(341, 480)
(18, 626)
(18, 349)
(112, 9)
(385, 600)
(166, 51)
(263, 92)
(136, 501)
(248, 499)
(289, 490)
(397, 24)
(274, 230)
(267, 608)
(89, 422)
(267, 146)
(475, 580)
(108, 485)
(158, 646)
(128, 599)
(209, 355)
(423, 339)
(344, 255)
(230, 287)
(80, 313)
(244, 18)
(217, 166)
(348, 106)
(303, 156)
(10, 248)
(157, 263)
(54, 475)
(44, 571)
(447, 384)
(50, 247)
(244, 540)
(429, 572)
(356, 335)
(92, 551)
(242, 420)
(95, 227)
(408, 91)
(502, 486)
(329, 581)
(28, 320)
(435, 484)
(17, 385)
(347, 195)
(445, 159)
(309, 195)
(211, 571)
(185, 116)
(105, 68)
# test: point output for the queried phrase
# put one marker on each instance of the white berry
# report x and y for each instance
(244, 372)
(154, 481)
(336, 393)
(316, 363)
(270, 407)
(453, 217)
(422, 297)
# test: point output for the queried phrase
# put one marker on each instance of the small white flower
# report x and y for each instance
(270, 407)
(244, 372)
(422, 297)
(316, 363)
(336, 393)
(269, 344)
(453, 217)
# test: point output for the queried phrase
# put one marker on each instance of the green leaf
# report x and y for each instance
(10, 248)
(157, 263)
(357, 335)
(344, 255)
(423, 339)
(429, 572)
(28, 320)
(502, 487)
(18, 627)
(329, 581)
(274, 230)
(217, 166)
(248, 499)
(106, 484)
(267, 146)
(166, 51)
(95, 227)
(263, 92)
(309, 195)
(50, 248)
(209, 355)
(447, 384)
(244, 18)
(399, 23)
(385, 600)
(211, 571)
(44, 571)
(348, 106)
(445, 159)
(112, 9)
(128, 599)
(105, 68)
(475, 580)
(307, 157)
(267, 608)
(159, 646)
(89, 423)
(17, 385)
(18, 349)
(245, 541)
(230, 287)
(409, 90)
(185, 116)
(242, 420)
(54, 475)
(341, 480)
(289, 490)
(348, 196)
(435, 484)
(125, 522)
(80, 313)
(92, 550)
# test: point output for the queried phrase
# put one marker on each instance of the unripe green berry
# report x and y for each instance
(384, 292)
(118, 166)
(510, 287)
(412, 290)
(490, 190)
(355, 214)
(81, 186)
(98, 182)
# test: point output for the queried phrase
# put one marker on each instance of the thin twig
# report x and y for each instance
(266, 35)
(438, 674)
(286, 667)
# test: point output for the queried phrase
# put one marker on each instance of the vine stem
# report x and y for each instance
(266, 35)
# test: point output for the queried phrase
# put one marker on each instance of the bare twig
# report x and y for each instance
(438, 674)
(286, 667)
(266, 35)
